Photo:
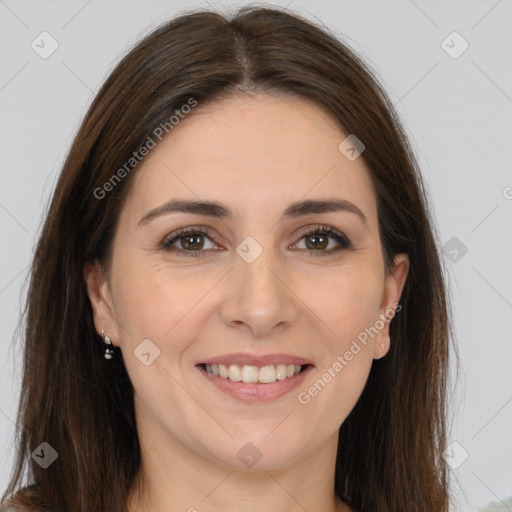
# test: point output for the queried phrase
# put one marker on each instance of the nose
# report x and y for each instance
(259, 296)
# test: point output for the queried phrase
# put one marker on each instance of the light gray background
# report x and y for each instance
(458, 113)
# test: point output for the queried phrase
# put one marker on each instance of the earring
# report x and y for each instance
(109, 352)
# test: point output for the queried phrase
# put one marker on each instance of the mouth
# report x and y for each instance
(250, 383)
(252, 374)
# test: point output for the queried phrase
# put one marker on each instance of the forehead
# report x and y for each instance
(257, 154)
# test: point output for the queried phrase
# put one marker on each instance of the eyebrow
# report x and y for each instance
(222, 211)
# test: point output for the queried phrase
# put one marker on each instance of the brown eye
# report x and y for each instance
(318, 240)
(195, 242)
(187, 240)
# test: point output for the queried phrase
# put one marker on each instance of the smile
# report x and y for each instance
(250, 383)
(246, 373)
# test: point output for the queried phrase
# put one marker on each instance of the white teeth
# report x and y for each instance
(267, 374)
(223, 371)
(250, 374)
(281, 372)
(235, 372)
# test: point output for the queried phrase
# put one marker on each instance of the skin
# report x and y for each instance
(256, 154)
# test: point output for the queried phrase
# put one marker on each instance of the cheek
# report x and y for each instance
(346, 308)
(151, 301)
(348, 305)
(151, 306)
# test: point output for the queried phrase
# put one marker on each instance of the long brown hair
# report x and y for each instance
(390, 446)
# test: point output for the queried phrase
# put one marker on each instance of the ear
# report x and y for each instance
(393, 286)
(100, 296)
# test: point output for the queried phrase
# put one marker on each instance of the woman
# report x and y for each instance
(236, 299)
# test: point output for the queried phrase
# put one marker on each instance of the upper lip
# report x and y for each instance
(256, 360)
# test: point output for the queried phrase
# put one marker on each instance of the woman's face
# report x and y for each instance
(257, 292)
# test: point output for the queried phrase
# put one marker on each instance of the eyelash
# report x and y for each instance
(340, 238)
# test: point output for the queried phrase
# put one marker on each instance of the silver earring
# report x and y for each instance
(109, 352)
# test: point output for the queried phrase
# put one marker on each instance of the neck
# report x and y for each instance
(174, 477)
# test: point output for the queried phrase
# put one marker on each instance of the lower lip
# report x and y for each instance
(257, 392)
